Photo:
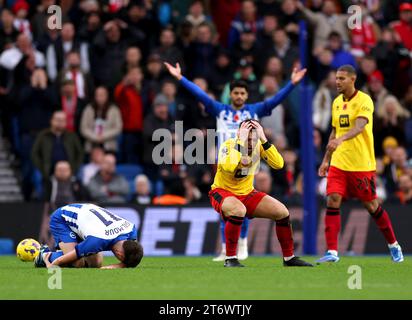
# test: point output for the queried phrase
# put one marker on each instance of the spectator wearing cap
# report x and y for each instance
(245, 72)
(101, 122)
(127, 95)
(158, 119)
(403, 27)
(21, 23)
(388, 145)
(390, 121)
(376, 89)
(8, 33)
(247, 19)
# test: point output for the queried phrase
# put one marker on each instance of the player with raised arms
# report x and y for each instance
(234, 197)
(228, 119)
(83, 231)
(350, 165)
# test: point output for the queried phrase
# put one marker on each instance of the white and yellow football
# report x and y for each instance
(28, 249)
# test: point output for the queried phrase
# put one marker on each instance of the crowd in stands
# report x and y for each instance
(79, 104)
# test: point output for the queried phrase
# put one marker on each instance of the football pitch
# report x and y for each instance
(191, 278)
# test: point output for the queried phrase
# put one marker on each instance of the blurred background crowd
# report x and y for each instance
(78, 105)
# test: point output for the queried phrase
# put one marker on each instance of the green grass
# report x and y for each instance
(200, 278)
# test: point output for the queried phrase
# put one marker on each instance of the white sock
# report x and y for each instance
(288, 258)
(393, 245)
(242, 241)
(232, 257)
(334, 252)
(223, 248)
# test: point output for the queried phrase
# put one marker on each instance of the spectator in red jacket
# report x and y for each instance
(128, 97)
(403, 27)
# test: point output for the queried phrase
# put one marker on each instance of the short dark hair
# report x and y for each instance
(248, 120)
(239, 84)
(133, 253)
(334, 34)
(348, 68)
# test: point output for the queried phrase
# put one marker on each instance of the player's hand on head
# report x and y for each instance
(174, 71)
(297, 75)
(244, 130)
(259, 130)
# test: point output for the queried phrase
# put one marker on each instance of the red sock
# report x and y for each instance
(332, 228)
(232, 233)
(383, 221)
(284, 234)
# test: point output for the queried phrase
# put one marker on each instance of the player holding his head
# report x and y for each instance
(230, 116)
(83, 231)
(234, 197)
(349, 163)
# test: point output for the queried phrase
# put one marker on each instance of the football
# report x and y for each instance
(28, 249)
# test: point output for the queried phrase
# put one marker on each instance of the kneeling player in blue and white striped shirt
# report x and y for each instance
(83, 231)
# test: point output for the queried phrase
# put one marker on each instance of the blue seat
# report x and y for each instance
(37, 181)
(6, 246)
(129, 171)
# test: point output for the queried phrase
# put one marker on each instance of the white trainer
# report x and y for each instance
(222, 255)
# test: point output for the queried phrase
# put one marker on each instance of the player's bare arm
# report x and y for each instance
(297, 75)
(114, 266)
(323, 168)
(360, 124)
(176, 71)
(64, 260)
